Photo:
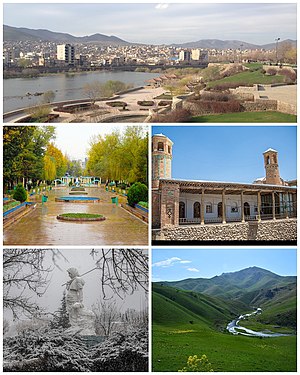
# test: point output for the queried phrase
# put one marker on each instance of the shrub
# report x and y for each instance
(20, 193)
(195, 364)
(178, 115)
(163, 103)
(117, 104)
(290, 75)
(137, 192)
(147, 103)
(271, 71)
(207, 106)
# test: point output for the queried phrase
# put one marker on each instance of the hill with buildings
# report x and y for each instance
(11, 33)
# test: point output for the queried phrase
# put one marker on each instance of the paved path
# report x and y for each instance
(286, 94)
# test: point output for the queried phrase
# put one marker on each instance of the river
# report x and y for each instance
(234, 327)
(66, 86)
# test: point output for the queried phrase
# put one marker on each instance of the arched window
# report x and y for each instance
(181, 210)
(197, 210)
(220, 209)
(160, 146)
(268, 159)
(246, 209)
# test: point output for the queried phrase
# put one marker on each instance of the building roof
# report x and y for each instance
(228, 184)
(270, 149)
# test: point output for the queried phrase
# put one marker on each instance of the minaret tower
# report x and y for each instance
(271, 166)
(161, 158)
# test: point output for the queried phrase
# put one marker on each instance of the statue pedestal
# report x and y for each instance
(82, 321)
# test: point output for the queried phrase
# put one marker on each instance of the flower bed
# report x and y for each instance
(80, 217)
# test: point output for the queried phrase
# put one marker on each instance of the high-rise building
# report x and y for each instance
(66, 53)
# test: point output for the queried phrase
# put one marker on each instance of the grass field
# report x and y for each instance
(263, 117)
(248, 78)
(187, 324)
(173, 344)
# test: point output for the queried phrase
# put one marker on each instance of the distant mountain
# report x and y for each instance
(235, 285)
(232, 292)
(230, 44)
(11, 33)
(22, 34)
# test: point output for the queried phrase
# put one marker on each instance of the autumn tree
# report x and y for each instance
(54, 160)
(119, 156)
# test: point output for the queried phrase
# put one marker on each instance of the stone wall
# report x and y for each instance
(279, 230)
(286, 108)
(260, 105)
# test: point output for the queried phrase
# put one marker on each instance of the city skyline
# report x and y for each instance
(155, 23)
(229, 153)
(179, 264)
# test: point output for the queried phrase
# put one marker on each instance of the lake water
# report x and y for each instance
(66, 86)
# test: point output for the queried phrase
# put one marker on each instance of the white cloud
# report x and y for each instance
(193, 270)
(162, 6)
(169, 262)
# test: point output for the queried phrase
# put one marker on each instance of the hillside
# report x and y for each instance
(234, 285)
(11, 33)
(174, 306)
(22, 34)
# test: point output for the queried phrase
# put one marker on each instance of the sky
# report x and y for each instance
(179, 264)
(74, 139)
(229, 153)
(161, 23)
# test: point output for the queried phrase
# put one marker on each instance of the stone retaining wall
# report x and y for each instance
(279, 230)
(260, 105)
(286, 108)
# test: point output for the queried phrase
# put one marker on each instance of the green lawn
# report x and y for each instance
(247, 117)
(248, 78)
(173, 344)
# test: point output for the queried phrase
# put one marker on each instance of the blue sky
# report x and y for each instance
(161, 23)
(179, 264)
(230, 153)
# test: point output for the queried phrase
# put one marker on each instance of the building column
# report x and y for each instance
(258, 206)
(273, 205)
(202, 207)
(286, 205)
(242, 207)
(223, 208)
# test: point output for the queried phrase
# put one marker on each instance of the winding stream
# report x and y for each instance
(234, 327)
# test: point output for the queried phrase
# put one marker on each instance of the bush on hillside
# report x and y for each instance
(136, 193)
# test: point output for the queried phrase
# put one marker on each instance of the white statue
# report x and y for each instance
(82, 320)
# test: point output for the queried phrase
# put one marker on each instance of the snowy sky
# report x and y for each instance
(161, 23)
(83, 261)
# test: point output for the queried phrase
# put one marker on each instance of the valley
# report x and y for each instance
(187, 322)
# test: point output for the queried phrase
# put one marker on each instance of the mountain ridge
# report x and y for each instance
(11, 33)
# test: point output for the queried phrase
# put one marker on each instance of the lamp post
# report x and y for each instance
(276, 40)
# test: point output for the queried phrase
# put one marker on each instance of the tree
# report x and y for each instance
(24, 274)
(107, 314)
(39, 113)
(58, 159)
(122, 270)
(48, 96)
(136, 193)
(20, 193)
(61, 316)
(93, 91)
